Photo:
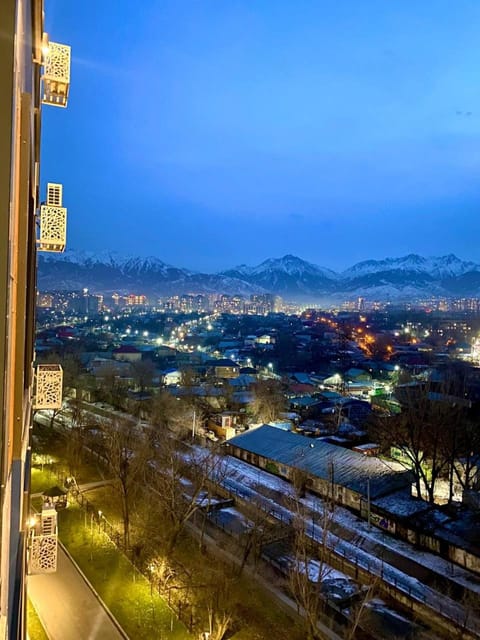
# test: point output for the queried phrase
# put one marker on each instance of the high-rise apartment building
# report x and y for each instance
(32, 71)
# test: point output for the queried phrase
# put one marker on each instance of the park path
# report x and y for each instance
(68, 607)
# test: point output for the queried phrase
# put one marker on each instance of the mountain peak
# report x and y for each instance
(409, 276)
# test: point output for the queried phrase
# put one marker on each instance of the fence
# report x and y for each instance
(175, 596)
(363, 566)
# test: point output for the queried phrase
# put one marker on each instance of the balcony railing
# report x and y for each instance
(53, 221)
(56, 74)
(49, 386)
(43, 542)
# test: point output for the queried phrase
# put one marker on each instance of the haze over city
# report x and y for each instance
(211, 134)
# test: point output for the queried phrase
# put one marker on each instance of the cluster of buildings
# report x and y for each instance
(330, 380)
(320, 425)
(87, 303)
(469, 305)
(376, 489)
(255, 304)
(79, 303)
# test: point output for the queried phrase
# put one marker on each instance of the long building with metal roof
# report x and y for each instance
(345, 476)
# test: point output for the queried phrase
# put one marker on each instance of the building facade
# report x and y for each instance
(24, 58)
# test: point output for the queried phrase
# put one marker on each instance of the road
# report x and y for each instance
(67, 606)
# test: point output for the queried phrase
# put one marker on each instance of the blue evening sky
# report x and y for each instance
(211, 133)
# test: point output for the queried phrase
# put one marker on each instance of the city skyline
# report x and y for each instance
(232, 133)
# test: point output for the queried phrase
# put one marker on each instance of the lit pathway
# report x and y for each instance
(67, 607)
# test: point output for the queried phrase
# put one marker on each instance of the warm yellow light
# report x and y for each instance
(45, 46)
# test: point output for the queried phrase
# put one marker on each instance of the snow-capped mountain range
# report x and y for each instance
(404, 278)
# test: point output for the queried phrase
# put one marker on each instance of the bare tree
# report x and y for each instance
(143, 372)
(269, 400)
(111, 388)
(167, 413)
(463, 448)
(309, 568)
(188, 378)
(425, 432)
(180, 477)
(260, 529)
(217, 599)
(126, 452)
(75, 439)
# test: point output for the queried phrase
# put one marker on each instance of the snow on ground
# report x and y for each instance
(249, 478)
(380, 605)
(426, 559)
(334, 583)
(251, 482)
(252, 477)
(235, 512)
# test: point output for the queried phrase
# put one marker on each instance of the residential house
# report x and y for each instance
(222, 368)
(127, 353)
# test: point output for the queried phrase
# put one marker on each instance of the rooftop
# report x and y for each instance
(350, 469)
